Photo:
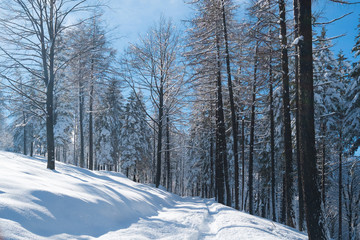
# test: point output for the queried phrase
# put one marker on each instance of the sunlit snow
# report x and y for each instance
(74, 203)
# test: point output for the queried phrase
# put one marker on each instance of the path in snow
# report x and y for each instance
(196, 218)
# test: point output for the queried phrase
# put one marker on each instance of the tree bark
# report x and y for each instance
(296, 63)
(242, 163)
(272, 143)
(312, 198)
(286, 114)
(220, 135)
(340, 186)
(233, 109)
(252, 129)
(159, 140)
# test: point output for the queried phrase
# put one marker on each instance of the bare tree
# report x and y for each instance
(30, 30)
(153, 66)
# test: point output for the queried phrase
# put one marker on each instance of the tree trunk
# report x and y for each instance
(340, 185)
(300, 188)
(252, 129)
(91, 101)
(272, 143)
(312, 198)
(286, 114)
(212, 194)
(32, 148)
(233, 110)
(242, 163)
(220, 136)
(159, 140)
(81, 117)
(323, 178)
(24, 137)
(167, 153)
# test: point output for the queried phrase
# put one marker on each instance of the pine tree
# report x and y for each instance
(135, 138)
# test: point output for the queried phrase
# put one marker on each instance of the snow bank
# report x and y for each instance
(74, 203)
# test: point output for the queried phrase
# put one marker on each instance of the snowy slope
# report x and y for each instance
(74, 203)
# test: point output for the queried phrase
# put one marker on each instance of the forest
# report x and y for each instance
(258, 111)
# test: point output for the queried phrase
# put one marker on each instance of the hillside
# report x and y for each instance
(74, 203)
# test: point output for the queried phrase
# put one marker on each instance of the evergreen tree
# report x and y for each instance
(135, 139)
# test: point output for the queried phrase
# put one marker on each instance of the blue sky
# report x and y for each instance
(134, 17)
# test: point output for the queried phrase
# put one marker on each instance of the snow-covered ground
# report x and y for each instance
(74, 203)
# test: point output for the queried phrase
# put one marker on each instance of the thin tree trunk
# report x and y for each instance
(221, 172)
(286, 114)
(160, 126)
(154, 156)
(252, 129)
(91, 101)
(312, 197)
(300, 188)
(323, 178)
(233, 110)
(167, 153)
(242, 163)
(32, 148)
(340, 185)
(24, 134)
(49, 80)
(212, 166)
(272, 143)
(81, 117)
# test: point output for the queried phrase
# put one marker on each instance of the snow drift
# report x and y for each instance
(75, 203)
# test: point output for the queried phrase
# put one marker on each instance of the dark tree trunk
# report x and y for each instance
(286, 114)
(220, 135)
(32, 148)
(49, 79)
(300, 188)
(154, 156)
(50, 126)
(233, 110)
(340, 185)
(160, 128)
(242, 163)
(211, 167)
(252, 129)
(312, 197)
(272, 143)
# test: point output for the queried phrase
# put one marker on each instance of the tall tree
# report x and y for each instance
(312, 197)
(286, 112)
(153, 66)
(43, 22)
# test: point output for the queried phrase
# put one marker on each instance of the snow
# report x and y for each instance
(296, 40)
(74, 203)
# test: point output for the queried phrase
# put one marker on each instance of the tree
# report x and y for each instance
(153, 66)
(135, 134)
(312, 197)
(41, 24)
(286, 111)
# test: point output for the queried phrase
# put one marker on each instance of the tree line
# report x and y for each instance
(258, 112)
